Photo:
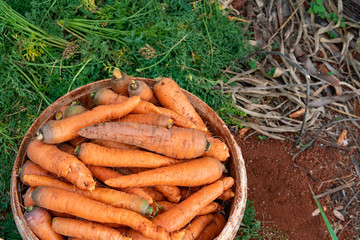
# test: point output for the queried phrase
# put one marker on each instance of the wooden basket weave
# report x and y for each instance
(235, 164)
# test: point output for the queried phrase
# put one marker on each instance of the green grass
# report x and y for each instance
(41, 61)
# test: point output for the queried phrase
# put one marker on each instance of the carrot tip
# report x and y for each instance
(133, 85)
(77, 150)
(117, 74)
(30, 208)
(92, 95)
(58, 115)
(39, 136)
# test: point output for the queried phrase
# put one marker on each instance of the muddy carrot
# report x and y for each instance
(197, 225)
(212, 230)
(28, 201)
(103, 173)
(89, 209)
(171, 96)
(141, 89)
(120, 82)
(191, 173)
(105, 195)
(106, 96)
(85, 229)
(155, 119)
(172, 193)
(67, 128)
(60, 163)
(181, 214)
(97, 155)
(179, 143)
(39, 221)
(112, 144)
(217, 150)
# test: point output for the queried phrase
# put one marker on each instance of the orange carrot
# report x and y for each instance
(105, 96)
(135, 235)
(172, 193)
(171, 96)
(98, 155)
(28, 201)
(120, 81)
(89, 209)
(85, 229)
(103, 173)
(39, 221)
(210, 208)
(67, 128)
(112, 144)
(181, 214)
(191, 173)
(196, 226)
(212, 230)
(61, 163)
(169, 142)
(32, 168)
(217, 150)
(104, 195)
(155, 119)
(141, 89)
(227, 194)
(155, 195)
(59, 214)
(180, 120)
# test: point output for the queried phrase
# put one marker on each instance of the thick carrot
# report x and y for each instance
(103, 173)
(105, 195)
(89, 209)
(32, 168)
(112, 144)
(28, 201)
(197, 225)
(181, 214)
(39, 221)
(218, 149)
(155, 119)
(97, 155)
(141, 89)
(171, 96)
(120, 81)
(85, 229)
(67, 128)
(61, 163)
(180, 143)
(172, 193)
(105, 96)
(212, 230)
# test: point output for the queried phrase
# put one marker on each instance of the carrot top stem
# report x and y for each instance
(133, 85)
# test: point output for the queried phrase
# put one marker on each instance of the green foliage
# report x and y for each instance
(261, 137)
(317, 7)
(251, 227)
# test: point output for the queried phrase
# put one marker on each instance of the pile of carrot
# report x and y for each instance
(141, 164)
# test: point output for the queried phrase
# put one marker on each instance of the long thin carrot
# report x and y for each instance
(181, 214)
(227, 194)
(112, 144)
(212, 230)
(210, 208)
(218, 149)
(39, 221)
(171, 96)
(97, 155)
(67, 128)
(85, 229)
(105, 195)
(172, 193)
(61, 163)
(32, 168)
(105, 96)
(103, 173)
(120, 82)
(155, 119)
(191, 173)
(197, 225)
(89, 209)
(180, 143)
(141, 89)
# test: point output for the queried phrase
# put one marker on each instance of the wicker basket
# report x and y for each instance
(235, 164)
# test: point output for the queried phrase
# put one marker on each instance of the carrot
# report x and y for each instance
(98, 155)
(32, 168)
(104, 195)
(39, 221)
(217, 150)
(59, 114)
(112, 144)
(89, 209)
(171, 96)
(103, 173)
(155, 119)
(135, 235)
(66, 148)
(227, 194)
(105, 96)
(141, 89)
(67, 128)
(28, 201)
(181, 214)
(120, 81)
(191, 173)
(59, 214)
(172, 193)
(73, 109)
(85, 229)
(210, 208)
(155, 195)
(61, 163)
(212, 230)
(196, 226)
(76, 141)
(169, 142)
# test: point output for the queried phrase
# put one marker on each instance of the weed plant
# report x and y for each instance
(50, 47)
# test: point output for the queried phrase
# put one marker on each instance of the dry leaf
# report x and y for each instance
(298, 113)
(242, 132)
(338, 215)
(342, 138)
(316, 212)
(278, 72)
